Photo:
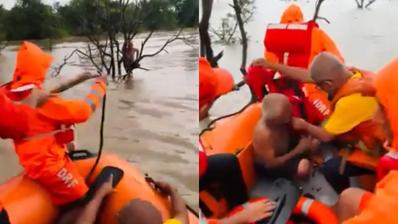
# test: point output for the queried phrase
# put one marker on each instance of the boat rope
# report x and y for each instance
(209, 126)
(101, 140)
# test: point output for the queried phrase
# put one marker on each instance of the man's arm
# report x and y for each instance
(136, 52)
(74, 111)
(72, 82)
(316, 131)
(90, 211)
(253, 212)
(291, 72)
(178, 205)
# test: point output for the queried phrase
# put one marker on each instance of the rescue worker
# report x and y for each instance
(320, 41)
(356, 206)
(41, 150)
(347, 124)
(294, 46)
(213, 82)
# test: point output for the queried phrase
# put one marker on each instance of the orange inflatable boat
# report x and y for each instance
(305, 209)
(234, 135)
(20, 194)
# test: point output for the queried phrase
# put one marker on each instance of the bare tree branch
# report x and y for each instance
(317, 9)
(360, 4)
(57, 69)
(169, 41)
(369, 3)
(205, 41)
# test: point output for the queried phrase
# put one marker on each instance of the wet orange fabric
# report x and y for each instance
(320, 41)
(382, 206)
(42, 151)
(11, 128)
(364, 200)
(386, 83)
(213, 82)
(292, 14)
(370, 132)
(207, 83)
(32, 65)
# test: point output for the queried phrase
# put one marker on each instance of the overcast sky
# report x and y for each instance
(10, 3)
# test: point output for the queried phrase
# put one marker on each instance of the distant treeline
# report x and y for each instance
(32, 19)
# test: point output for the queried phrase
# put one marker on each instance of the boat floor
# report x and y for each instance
(287, 192)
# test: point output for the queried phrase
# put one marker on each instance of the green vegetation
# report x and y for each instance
(32, 19)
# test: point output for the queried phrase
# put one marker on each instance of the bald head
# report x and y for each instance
(277, 108)
(328, 72)
(139, 211)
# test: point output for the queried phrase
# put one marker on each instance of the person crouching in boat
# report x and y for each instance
(277, 148)
(213, 82)
(41, 150)
(357, 206)
(351, 123)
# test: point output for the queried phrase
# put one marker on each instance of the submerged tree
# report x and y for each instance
(243, 13)
(205, 41)
(361, 3)
(227, 31)
(111, 26)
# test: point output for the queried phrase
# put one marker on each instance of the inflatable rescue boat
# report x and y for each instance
(26, 202)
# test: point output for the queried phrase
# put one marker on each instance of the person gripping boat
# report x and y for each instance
(41, 150)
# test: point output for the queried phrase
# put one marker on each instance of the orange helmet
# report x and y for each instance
(292, 14)
(31, 67)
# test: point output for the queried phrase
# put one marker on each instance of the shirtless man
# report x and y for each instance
(130, 54)
(276, 149)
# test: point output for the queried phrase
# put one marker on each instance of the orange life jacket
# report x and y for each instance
(369, 135)
(382, 207)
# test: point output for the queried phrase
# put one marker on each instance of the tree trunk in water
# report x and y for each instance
(205, 41)
(243, 34)
(112, 63)
(360, 3)
(118, 60)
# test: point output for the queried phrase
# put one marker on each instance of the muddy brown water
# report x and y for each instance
(151, 121)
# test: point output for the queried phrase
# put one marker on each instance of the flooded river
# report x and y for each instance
(151, 121)
(366, 38)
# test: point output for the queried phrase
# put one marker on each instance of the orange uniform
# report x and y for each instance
(381, 206)
(42, 151)
(11, 128)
